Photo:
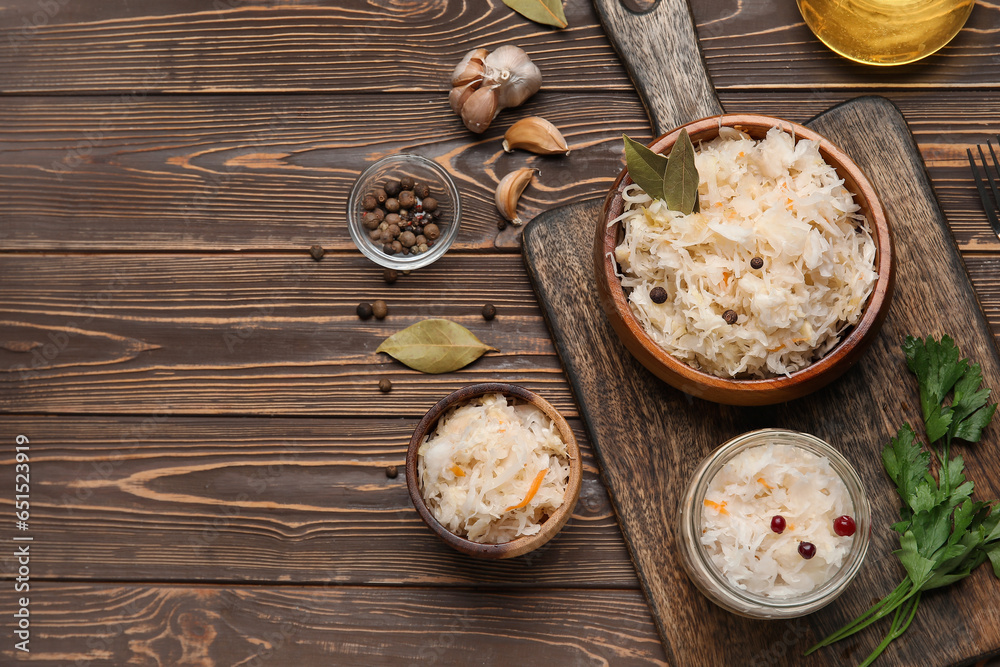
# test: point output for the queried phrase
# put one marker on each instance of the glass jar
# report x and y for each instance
(710, 580)
(885, 32)
(421, 170)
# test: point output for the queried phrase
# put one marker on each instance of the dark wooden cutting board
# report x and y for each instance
(650, 437)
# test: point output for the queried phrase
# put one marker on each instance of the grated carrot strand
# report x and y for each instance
(531, 492)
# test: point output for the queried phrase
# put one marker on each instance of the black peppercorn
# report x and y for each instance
(489, 311)
(397, 247)
(658, 295)
(380, 195)
(501, 224)
(406, 199)
(392, 187)
(391, 472)
(756, 263)
(370, 220)
(379, 213)
(431, 231)
(385, 385)
(393, 219)
(380, 309)
(406, 182)
(317, 252)
(407, 239)
(387, 248)
(369, 202)
(364, 310)
(730, 316)
(390, 275)
(421, 190)
(430, 204)
(391, 205)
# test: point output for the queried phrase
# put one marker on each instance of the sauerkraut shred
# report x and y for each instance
(757, 484)
(478, 468)
(776, 199)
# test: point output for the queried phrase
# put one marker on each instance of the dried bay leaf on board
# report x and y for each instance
(680, 178)
(434, 346)
(547, 12)
(645, 168)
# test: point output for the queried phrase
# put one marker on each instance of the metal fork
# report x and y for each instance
(991, 208)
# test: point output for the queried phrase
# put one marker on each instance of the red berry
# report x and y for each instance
(844, 526)
(778, 523)
(807, 550)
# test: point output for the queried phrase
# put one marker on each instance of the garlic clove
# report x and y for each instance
(459, 95)
(516, 77)
(479, 110)
(537, 135)
(470, 68)
(509, 192)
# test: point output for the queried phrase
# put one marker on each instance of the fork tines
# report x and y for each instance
(989, 180)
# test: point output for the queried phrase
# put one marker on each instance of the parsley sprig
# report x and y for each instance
(944, 534)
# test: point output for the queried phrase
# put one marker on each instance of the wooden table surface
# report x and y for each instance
(208, 444)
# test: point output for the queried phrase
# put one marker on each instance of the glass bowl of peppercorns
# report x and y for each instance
(403, 212)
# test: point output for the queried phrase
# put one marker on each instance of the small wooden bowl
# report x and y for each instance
(747, 392)
(520, 545)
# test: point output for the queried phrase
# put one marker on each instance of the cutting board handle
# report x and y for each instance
(659, 46)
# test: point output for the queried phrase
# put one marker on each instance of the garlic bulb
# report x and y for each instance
(484, 83)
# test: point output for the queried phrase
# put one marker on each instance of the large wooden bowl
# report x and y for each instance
(747, 392)
(520, 545)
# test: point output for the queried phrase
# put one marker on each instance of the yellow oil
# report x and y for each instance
(885, 32)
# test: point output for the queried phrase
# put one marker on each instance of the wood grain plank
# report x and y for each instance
(233, 45)
(224, 173)
(93, 625)
(243, 334)
(166, 498)
(265, 334)
(233, 173)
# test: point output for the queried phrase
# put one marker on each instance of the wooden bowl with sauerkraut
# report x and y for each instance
(494, 470)
(772, 288)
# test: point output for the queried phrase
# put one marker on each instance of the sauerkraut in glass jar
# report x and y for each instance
(774, 524)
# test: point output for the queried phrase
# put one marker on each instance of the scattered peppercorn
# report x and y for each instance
(658, 295)
(756, 263)
(489, 312)
(407, 182)
(390, 275)
(807, 550)
(380, 309)
(778, 523)
(391, 472)
(844, 526)
(730, 316)
(317, 252)
(364, 310)
(385, 385)
(501, 224)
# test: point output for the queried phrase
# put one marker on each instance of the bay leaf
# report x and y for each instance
(645, 168)
(547, 12)
(434, 346)
(680, 178)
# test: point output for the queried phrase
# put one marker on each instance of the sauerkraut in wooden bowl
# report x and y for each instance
(494, 470)
(773, 288)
